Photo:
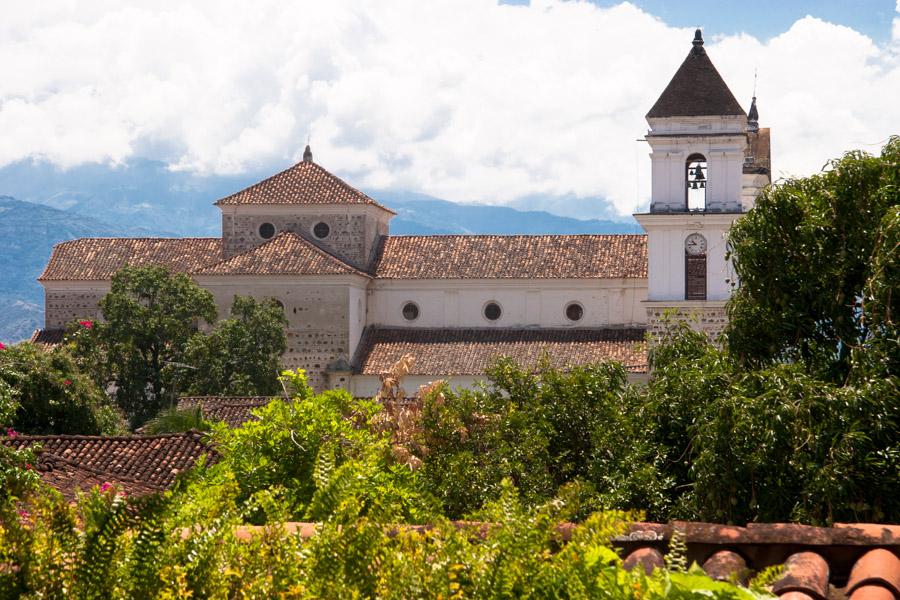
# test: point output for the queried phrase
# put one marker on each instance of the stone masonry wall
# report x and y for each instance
(708, 319)
(63, 306)
(350, 236)
(318, 323)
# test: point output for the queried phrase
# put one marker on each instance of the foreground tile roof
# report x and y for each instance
(153, 460)
(471, 351)
(48, 337)
(285, 254)
(304, 183)
(513, 257)
(97, 259)
(69, 478)
(233, 410)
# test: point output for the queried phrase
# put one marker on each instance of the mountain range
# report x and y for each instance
(41, 205)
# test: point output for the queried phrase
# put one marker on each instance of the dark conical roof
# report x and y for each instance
(696, 90)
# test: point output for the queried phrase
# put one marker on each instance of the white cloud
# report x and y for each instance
(462, 99)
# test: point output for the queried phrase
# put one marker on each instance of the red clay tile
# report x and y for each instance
(647, 558)
(805, 572)
(872, 592)
(878, 567)
(726, 565)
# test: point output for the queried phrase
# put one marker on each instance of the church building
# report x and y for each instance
(357, 298)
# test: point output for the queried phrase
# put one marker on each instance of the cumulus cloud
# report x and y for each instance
(462, 99)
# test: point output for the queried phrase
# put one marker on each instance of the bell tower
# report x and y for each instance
(701, 145)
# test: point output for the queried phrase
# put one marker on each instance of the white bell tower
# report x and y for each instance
(705, 175)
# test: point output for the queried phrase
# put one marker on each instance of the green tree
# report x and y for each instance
(52, 395)
(241, 356)
(818, 268)
(149, 316)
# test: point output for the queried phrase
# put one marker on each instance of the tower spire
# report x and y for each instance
(307, 154)
(753, 115)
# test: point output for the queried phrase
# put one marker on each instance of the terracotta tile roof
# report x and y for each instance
(471, 351)
(285, 254)
(855, 560)
(696, 89)
(69, 478)
(512, 257)
(233, 410)
(48, 337)
(151, 460)
(97, 259)
(304, 183)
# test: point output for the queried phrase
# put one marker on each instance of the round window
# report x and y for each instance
(492, 311)
(410, 311)
(266, 230)
(574, 311)
(321, 230)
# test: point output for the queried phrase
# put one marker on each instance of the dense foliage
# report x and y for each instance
(819, 267)
(150, 348)
(241, 356)
(148, 317)
(51, 394)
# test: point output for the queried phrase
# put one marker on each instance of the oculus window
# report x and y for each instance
(492, 311)
(266, 231)
(410, 311)
(321, 230)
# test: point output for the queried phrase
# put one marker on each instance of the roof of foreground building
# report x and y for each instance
(469, 351)
(153, 461)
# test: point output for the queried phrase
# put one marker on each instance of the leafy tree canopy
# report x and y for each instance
(51, 394)
(819, 269)
(241, 356)
(149, 316)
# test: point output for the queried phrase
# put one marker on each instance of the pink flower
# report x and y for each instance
(2, 347)
(67, 382)
(86, 324)
(27, 466)
(24, 514)
(11, 432)
(105, 487)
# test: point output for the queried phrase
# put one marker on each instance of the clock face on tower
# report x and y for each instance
(695, 244)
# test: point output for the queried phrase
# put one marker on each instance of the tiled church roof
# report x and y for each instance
(696, 90)
(151, 460)
(513, 257)
(304, 183)
(470, 351)
(286, 254)
(97, 259)
(48, 337)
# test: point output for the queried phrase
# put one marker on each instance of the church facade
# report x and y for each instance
(357, 299)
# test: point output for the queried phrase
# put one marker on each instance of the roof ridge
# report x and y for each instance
(512, 235)
(192, 433)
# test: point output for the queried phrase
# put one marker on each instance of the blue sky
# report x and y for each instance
(536, 105)
(767, 18)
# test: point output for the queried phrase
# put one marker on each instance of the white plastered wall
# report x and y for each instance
(525, 303)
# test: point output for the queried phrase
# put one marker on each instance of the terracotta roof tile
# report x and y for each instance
(152, 460)
(304, 183)
(48, 337)
(233, 410)
(471, 351)
(97, 259)
(70, 477)
(696, 90)
(757, 155)
(285, 254)
(512, 257)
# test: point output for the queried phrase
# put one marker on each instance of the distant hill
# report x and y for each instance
(28, 232)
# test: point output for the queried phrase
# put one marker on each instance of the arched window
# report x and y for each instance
(695, 267)
(695, 182)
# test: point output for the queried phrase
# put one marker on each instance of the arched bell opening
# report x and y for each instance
(695, 182)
